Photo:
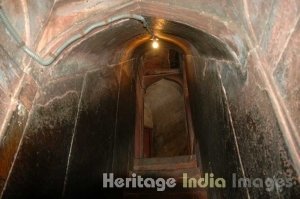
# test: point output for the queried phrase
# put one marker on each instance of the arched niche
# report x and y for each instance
(165, 127)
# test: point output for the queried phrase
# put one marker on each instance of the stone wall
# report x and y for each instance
(256, 95)
(79, 127)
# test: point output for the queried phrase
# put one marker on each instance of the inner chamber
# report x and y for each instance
(112, 103)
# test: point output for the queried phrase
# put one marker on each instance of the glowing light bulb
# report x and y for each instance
(155, 44)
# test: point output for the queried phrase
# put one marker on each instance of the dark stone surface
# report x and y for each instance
(41, 161)
(102, 143)
(10, 142)
(92, 149)
(59, 87)
(15, 129)
(263, 151)
(267, 28)
(212, 126)
(125, 123)
(104, 131)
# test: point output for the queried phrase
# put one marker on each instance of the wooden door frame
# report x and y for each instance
(142, 83)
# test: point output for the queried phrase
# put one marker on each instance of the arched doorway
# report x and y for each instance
(163, 117)
(165, 126)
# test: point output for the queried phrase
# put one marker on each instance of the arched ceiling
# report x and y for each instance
(63, 18)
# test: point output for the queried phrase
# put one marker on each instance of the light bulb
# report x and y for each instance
(155, 44)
